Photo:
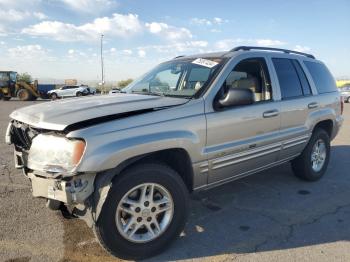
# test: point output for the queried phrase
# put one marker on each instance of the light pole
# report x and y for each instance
(102, 69)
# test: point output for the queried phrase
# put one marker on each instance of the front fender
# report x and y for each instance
(110, 155)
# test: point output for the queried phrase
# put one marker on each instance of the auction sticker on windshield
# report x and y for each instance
(204, 62)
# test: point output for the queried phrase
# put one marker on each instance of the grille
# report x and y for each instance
(21, 135)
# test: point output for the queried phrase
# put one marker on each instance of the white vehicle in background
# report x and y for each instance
(345, 93)
(68, 91)
(114, 90)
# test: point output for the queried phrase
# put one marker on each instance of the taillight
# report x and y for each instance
(341, 105)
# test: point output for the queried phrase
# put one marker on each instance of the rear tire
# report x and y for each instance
(109, 231)
(311, 165)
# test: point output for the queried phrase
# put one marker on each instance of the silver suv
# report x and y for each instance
(126, 163)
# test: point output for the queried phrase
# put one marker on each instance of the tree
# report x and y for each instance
(25, 77)
(124, 83)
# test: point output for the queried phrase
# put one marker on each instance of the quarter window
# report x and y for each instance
(322, 77)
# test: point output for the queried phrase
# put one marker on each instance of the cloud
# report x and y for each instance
(40, 16)
(269, 42)
(300, 48)
(71, 51)
(209, 22)
(3, 31)
(28, 52)
(227, 44)
(219, 21)
(179, 47)
(201, 21)
(89, 6)
(117, 25)
(127, 51)
(141, 53)
(17, 3)
(169, 32)
(13, 15)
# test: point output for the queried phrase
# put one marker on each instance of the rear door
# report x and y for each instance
(297, 102)
(244, 138)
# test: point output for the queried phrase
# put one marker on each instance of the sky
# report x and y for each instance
(60, 39)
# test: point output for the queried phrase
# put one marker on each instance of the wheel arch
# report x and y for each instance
(326, 125)
(176, 158)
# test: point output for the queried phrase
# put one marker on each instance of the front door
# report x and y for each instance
(244, 138)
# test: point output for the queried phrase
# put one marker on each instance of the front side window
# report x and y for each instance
(252, 74)
(288, 78)
(177, 78)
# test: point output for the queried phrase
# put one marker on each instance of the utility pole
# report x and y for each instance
(102, 69)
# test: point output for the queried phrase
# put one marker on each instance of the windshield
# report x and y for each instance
(177, 78)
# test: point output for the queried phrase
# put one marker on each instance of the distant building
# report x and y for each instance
(70, 82)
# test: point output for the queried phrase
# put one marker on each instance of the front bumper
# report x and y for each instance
(72, 191)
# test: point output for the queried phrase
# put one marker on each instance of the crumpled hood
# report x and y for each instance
(57, 115)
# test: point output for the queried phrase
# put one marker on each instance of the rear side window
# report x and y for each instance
(287, 78)
(323, 79)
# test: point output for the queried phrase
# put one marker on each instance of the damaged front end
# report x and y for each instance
(49, 159)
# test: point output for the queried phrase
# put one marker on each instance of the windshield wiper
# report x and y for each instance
(148, 93)
(161, 94)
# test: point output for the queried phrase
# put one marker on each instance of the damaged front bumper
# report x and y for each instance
(69, 190)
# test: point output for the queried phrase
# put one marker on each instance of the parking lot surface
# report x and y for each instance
(270, 216)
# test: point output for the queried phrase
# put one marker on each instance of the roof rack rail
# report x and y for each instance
(247, 48)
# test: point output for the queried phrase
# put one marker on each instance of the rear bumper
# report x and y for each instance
(337, 125)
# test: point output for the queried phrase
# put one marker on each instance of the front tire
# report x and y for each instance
(24, 95)
(53, 96)
(144, 212)
(79, 94)
(312, 163)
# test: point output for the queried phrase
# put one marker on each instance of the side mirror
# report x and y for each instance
(236, 97)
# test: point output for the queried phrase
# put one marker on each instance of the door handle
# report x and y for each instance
(270, 113)
(312, 105)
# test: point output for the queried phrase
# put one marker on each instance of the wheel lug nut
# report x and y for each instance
(137, 209)
(146, 204)
(149, 219)
(139, 219)
(153, 209)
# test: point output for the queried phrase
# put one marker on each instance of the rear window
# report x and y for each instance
(322, 77)
(287, 78)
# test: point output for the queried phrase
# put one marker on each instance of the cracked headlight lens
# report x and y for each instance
(55, 154)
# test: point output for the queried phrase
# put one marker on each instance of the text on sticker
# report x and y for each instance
(204, 62)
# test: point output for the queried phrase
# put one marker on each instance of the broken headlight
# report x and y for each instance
(54, 153)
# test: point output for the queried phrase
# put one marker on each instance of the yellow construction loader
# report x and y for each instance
(10, 87)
